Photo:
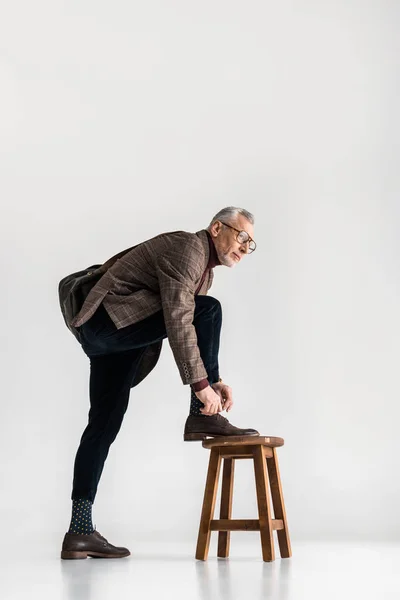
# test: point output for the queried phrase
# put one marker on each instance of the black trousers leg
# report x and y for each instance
(109, 387)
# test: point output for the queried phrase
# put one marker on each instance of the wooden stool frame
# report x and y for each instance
(267, 478)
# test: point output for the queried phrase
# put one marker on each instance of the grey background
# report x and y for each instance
(121, 121)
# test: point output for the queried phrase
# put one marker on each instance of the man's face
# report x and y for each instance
(229, 250)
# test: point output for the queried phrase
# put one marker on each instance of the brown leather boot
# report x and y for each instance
(199, 427)
(77, 545)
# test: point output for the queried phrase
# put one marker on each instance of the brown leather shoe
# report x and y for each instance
(77, 545)
(200, 427)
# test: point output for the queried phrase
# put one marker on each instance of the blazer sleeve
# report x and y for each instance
(178, 272)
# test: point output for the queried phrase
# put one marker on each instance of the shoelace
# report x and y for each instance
(223, 420)
(220, 417)
(105, 542)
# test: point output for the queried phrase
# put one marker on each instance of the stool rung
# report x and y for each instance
(241, 452)
(242, 524)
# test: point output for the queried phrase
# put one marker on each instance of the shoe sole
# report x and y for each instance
(194, 437)
(199, 437)
(74, 555)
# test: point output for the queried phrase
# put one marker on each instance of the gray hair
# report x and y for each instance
(230, 213)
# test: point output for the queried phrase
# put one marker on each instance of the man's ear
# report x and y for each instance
(216, 227)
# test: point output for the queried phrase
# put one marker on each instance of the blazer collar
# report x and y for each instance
(210, 252)
(213, 260)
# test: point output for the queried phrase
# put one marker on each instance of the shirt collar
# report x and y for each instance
(213, 261)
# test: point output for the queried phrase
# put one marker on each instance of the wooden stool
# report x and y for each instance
(264, 454)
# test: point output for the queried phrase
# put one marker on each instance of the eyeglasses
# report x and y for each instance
(243, 238)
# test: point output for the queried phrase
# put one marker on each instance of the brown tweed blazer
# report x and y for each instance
(160, 273)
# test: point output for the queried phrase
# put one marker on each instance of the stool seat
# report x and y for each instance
(263, 451)
(245, 440)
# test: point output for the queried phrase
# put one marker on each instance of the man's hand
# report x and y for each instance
(225, 394)
(211, 400)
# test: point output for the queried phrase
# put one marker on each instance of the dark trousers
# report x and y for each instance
(114, 357)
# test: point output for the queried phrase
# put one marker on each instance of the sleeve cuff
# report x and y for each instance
(200, 385)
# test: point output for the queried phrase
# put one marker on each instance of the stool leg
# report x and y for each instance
(279, 505)
(210, 496)
(264, 508)
(226, 506)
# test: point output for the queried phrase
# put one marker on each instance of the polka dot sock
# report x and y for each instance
(81, 520)
(195, 404)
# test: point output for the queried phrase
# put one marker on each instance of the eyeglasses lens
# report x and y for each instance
(243, 237)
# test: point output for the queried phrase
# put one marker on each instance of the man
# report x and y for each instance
(157, 289)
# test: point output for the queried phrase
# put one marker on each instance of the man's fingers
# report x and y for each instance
(217, 408)
(227, 394)
(228, 405)
(212, 410)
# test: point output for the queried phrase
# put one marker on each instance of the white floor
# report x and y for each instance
(327, 571)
